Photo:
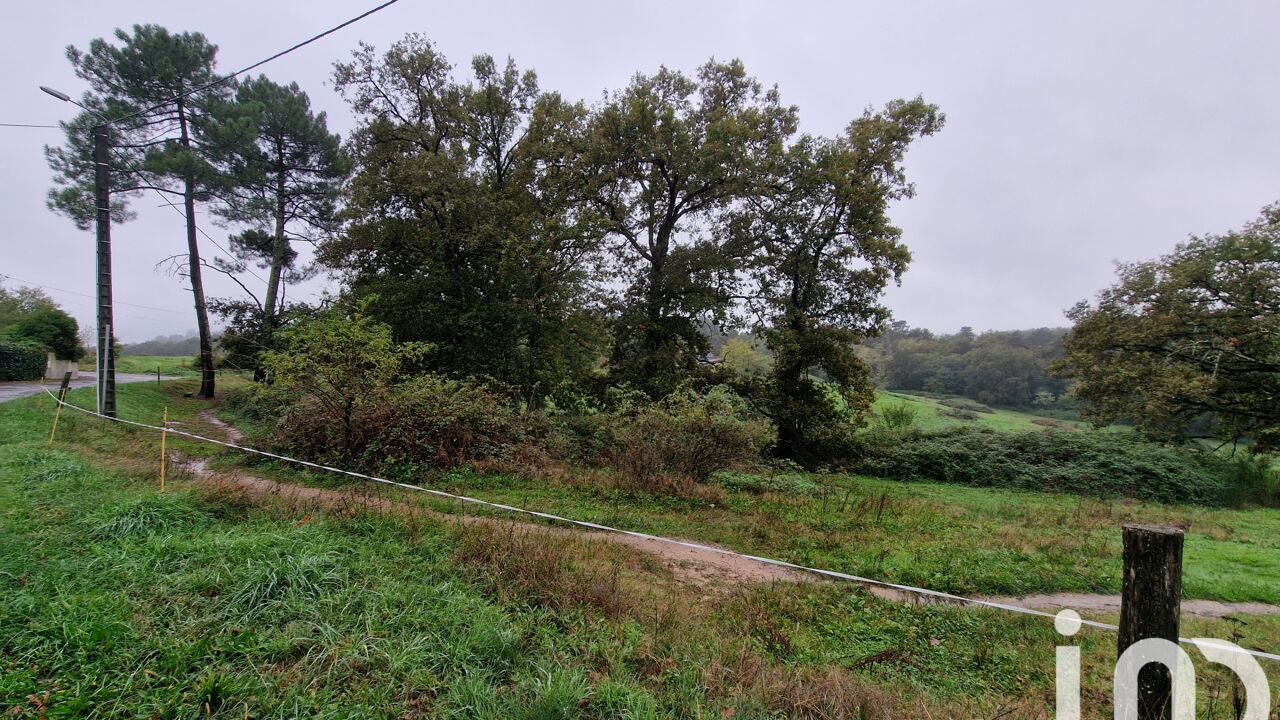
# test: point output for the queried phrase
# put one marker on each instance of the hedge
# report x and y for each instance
(1083, 462)
(21, 361)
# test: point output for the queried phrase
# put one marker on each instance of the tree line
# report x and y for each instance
(558, 250)
(1007, 368)
(544, 245)
(251, 151)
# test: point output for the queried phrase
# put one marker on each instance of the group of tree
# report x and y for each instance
(553, 248)
(550, 247)
(1007, 368)
(546, 246)
(250, 150)
(31, 326)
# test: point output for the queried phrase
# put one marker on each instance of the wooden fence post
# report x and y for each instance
(57, 413)
(1150, 603)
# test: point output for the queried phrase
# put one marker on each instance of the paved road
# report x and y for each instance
(11, 390)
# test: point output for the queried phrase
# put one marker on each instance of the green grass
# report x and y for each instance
(118, 601)
(954, 538)
(932, 415)
(169, 365)
(957, 539)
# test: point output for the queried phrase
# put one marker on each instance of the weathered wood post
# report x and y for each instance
(1150, 603)
(57, 413)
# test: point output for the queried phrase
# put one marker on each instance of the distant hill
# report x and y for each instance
(165, 345)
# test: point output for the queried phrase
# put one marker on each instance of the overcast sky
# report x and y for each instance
(1077, 133)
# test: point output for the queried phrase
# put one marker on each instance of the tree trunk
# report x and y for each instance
(279, 248)
(197, 283)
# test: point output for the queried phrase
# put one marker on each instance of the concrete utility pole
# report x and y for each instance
(106, 364)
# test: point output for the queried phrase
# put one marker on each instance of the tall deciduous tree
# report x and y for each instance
(459, 224)
(1193, 334)
(824, 250)
(146, 85)
(659, 157)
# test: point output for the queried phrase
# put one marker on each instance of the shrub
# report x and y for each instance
(1088, 463)
(898, 416)
(960, 414)
(1254, 479)
(584, 438)
(342, 362)
(785, 483)
(427, 421)
(21, 360)
(53, 329)
(686, 437)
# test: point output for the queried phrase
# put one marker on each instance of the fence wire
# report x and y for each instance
(822, 572)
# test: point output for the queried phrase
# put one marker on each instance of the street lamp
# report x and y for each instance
(102, 202)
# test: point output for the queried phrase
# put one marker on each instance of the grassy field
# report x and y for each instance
(179, 365)
(116, 601)
(933, 415)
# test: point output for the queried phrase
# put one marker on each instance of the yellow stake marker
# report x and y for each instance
(164, 435)
(62, 394)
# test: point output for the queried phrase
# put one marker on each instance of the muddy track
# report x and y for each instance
(711, 572)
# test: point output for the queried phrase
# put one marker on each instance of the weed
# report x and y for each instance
(549, 570)
(147, 515)
(281, 579)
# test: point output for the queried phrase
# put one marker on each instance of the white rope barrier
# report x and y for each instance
(923, 592)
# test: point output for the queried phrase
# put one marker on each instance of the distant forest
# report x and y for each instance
(1006, 367)
(165, 345)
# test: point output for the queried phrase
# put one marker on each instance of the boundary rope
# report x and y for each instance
(924, 592)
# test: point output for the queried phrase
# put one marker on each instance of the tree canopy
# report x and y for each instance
(548, 245)
(657, 161)
(821, 251)
(153, 91)
(1194, 334)
(460, 226)
(29, 315)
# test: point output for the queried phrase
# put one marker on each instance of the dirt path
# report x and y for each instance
(1083, 602)
(710, 571)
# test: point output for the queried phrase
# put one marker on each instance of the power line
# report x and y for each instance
(91, 297)
(206, 235)
(133, 167)
(29, 125)
(258, 64)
